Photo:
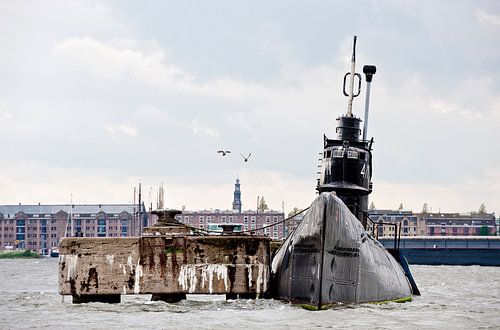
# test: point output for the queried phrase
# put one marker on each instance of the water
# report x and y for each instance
(452, 297)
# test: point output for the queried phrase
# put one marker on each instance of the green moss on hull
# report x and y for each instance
(400, 301)
(328, 306)
(315, 308)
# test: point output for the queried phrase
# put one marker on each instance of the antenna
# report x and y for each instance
(352, 74)
(133, 213)
(139, 214)
(161, 197)
(369, 71)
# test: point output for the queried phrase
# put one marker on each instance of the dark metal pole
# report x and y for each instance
(323, 234)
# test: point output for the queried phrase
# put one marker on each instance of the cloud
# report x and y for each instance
(5, 115)
(488, 19)
(470, 192)
(121, 129)
(151, 114)
(112, 62)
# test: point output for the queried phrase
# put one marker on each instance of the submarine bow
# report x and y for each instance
(330, 258)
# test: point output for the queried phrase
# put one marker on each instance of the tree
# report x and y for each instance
(262, 205)
(484, 231)
(295, 211)
(482, 209)
(425, 208)
(372, 206)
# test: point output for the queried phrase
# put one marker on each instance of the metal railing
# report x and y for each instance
(374, 227)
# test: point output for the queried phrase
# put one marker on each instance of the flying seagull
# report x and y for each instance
(246, 158)
(224, 152)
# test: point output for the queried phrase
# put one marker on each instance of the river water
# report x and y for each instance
(452, 297)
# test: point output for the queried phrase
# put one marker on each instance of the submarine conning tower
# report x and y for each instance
(346, 163)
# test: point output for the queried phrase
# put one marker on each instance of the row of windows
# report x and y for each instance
(253, 219)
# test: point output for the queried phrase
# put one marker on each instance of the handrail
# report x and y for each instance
(375, 226)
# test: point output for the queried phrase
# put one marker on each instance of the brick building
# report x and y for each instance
(434, 224)
(243, 220)
(411, 224)
(459, 224)
(248, 220)
(40, 227)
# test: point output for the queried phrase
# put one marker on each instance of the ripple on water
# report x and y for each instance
(465, 297)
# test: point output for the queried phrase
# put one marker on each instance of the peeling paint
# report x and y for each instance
(262, 278)
(188, 278)
(250, 277)
(124, 268)
(110, 259)
(71, 262)
(138, 275)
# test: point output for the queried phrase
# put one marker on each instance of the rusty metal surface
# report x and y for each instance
(164, 264)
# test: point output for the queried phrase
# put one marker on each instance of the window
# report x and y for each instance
(245, 219)
(353, 154)
(338, 152)
(268, 219)
(253, 219)
(101, 228)
(124, 227)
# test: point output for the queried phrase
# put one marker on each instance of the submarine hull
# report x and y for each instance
(330, 258)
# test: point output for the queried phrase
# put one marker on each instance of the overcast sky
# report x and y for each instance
(96, 96)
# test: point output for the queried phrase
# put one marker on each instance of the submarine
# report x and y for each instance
(333, 256)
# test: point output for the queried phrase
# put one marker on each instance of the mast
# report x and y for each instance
(346, 165)
(351, 82)
(71, 216)
(139, 213)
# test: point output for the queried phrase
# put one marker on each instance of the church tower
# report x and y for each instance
(237, 197)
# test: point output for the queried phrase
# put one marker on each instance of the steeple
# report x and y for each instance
(237, 196)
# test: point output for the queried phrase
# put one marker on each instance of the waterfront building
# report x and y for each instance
(259, 222)
(459, 224)
(292, 223)
(411, 224)
(248, 220)
(40, 227)
(434, 224)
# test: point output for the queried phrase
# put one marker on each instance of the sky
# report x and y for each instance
(97, 96)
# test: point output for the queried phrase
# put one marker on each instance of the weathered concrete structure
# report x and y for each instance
(167, 266)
